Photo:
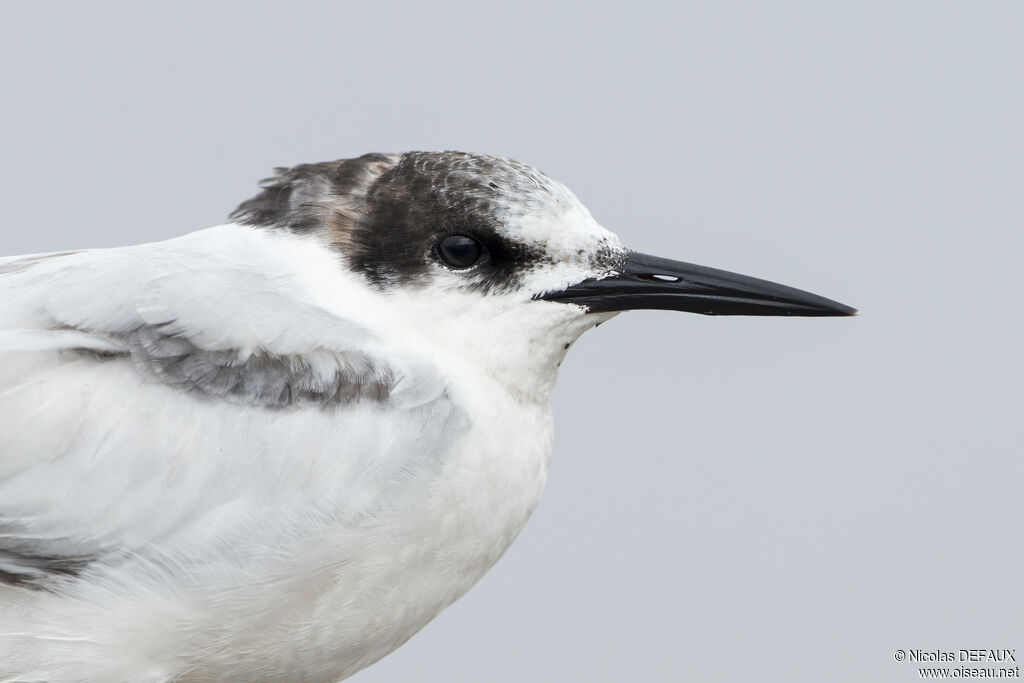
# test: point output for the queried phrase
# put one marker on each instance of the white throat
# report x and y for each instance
(518, 346)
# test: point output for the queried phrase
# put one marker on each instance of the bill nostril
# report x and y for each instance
(659, 277)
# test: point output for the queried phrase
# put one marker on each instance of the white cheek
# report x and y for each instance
(557, 276)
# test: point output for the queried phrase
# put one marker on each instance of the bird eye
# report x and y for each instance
(460, 251)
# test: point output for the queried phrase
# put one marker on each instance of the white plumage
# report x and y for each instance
(275, 449)
(199, 534)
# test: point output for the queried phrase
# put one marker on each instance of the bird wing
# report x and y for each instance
(204, 383)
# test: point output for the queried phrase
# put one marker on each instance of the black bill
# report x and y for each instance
(651, 282)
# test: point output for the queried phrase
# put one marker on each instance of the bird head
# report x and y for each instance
(493, 259)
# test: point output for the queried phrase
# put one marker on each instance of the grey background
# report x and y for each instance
(731, 499)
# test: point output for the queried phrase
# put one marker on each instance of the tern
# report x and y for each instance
(275, 449)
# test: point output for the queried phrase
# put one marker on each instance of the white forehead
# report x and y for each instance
(553, 217)
(532, 212)
(531, 208)
(553, 220)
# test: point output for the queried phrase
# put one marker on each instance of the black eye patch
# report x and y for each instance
(460, 251)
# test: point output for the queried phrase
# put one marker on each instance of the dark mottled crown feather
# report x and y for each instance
(385, 212)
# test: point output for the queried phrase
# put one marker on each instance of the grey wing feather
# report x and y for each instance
(92, 447)
(258, 378)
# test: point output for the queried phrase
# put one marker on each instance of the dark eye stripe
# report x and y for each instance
(460, 251)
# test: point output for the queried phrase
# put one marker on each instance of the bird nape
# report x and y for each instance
(276, 448)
